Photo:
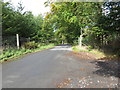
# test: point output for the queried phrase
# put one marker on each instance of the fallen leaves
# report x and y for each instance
(64, 83)
(82, 55)
(89, 82)
(82, 69)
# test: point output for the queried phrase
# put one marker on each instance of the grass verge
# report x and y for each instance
(10, 54)
(98, 54)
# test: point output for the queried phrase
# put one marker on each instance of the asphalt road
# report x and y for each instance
(39, 70)
(48, 68)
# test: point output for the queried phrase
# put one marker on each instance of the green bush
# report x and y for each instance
(30, 45)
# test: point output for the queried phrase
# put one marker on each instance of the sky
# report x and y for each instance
(36, 6)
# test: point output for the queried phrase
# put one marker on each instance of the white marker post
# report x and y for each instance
(17, 36)
(80, 43)
(80, 39)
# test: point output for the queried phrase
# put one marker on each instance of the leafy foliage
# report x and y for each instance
(69, 18)
(99, 22)
(66, 22)
(19, 22)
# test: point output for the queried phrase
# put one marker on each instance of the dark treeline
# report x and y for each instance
(15, 21)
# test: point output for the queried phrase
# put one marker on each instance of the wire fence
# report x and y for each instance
(11, 41)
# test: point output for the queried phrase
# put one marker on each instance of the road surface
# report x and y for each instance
(50, 68)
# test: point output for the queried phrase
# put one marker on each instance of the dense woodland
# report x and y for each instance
(97, 22)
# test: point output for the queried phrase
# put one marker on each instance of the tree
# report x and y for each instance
(69, 18)
(109, 22)
(16, 21)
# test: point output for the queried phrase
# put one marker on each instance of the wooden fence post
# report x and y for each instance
(17, 36)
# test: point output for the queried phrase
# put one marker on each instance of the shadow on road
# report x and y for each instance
(107, 68)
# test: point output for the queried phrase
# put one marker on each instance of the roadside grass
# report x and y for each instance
(98, 54)
(13, 53)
